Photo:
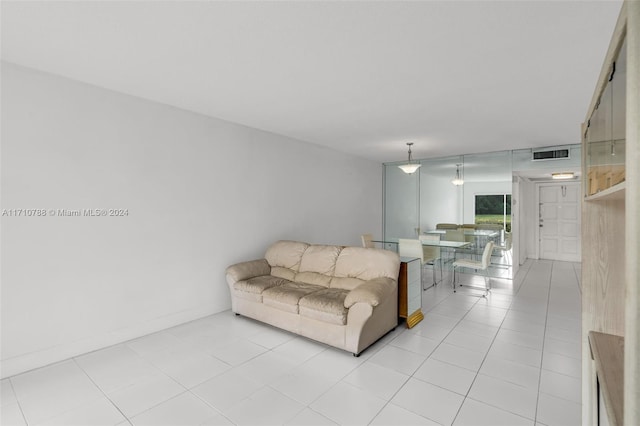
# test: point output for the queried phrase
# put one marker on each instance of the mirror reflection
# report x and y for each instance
(468, 201)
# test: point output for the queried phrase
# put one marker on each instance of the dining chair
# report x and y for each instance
(411, 248)
(481, 265)
(454, 235)
(489, 226)
(468, 237)
(446, 226)
(505, 248)
(472, 239)
(367, 241)
(431, 254)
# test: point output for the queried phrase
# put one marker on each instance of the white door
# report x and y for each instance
(559, 221)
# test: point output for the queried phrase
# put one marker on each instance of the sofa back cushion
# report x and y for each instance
(358, 264)
(330, 266)
(284, 258)
(318, 264)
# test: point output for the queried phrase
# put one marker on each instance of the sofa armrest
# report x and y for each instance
(372, 292)
(244, 270)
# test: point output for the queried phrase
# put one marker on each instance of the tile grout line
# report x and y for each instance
(307, 406)
(544, 335)
(423, 362)
(579, 282)
(264, 385)
(17, 401)
(457, 320)
(101, 391)
(487, 354)
(150, 364)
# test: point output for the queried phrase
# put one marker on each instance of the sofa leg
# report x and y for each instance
(237, 314)
(356, 355)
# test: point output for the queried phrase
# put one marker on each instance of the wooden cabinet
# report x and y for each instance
(610, 223)
(605, 141)
(410, 291)
(607, 353)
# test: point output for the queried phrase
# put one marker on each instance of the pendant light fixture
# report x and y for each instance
(458, 180)
(409, 167)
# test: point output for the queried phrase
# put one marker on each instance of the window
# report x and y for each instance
(494, 209)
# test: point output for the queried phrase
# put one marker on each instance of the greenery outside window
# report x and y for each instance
(494, 209)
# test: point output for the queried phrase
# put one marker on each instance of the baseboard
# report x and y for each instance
(22, 363)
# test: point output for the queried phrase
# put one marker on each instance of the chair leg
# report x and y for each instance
(424, 287)
(454, 279)
(434, 273)
(487, 283)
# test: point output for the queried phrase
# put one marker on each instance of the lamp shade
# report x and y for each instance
(458, 180)
(409, 168)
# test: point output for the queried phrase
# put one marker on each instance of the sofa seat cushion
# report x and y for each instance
(287, 295)
(259, 284)
(253, 287)
(325, 305)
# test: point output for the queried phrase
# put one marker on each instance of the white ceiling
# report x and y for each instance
(361, 77)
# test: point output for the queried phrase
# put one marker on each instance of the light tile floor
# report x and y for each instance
(512, 358)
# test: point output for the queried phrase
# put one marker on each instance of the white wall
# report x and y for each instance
(529, 221)
(524, 167)
(516, 224)
(201, 194)
(440, 201)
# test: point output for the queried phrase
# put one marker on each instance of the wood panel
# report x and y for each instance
(601, 178)
(603, 266)
(410, 289)
(610, 236)
(402, 291)
(632, 325)
(608, 355)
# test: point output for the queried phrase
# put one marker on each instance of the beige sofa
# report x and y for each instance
(342, 296)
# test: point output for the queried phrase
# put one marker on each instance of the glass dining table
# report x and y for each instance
(477, 238)
(436, 243)
(490, 233)
(452, 247)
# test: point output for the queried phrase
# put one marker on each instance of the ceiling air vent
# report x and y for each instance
(552, 154)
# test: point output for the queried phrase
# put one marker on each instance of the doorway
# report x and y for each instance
(559, 221)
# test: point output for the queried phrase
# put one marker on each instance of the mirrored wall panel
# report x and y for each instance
(469, 199)
(401, 198)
